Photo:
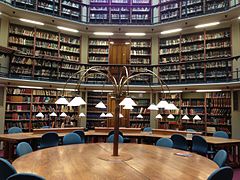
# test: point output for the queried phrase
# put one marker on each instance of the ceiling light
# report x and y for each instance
(31, 21)
(53, 114)
(171, 31)
(159, 116)
(207, 25)
(174, 91)
(0, 12)
(103, 33)
(238, 17)
(208, 90)
(135, 34)
(30, 87)
(101, 105)
(111, 42)
(67, 29)
(81, 115)
(62, 89)
(63, 114)
(127, 43)
(137, 92)
(77, 101)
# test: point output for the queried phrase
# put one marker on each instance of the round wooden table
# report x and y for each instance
(84, 162)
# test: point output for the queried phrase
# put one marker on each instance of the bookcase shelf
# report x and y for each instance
(200, 56)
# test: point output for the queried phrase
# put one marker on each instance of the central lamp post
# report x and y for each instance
(119, 92)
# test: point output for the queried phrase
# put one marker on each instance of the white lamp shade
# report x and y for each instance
(81, 115)
(162, 104)
(196, 117)
(62, 100)
(153, 107)
(109, 115)
(102, 115)
(170, 116)
(53, 114)
(185, 117)
(100, 105)
(128, 106)
(127, 101)
(159, 116)
(171, 106)
(63, 114)
(120, 115)
(77, 101)
(40, 115)
(139, 116)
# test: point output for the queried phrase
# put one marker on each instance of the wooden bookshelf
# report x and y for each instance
(48, 6)
(192, 8)
(169, 10)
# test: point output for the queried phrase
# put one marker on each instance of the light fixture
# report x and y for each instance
(207, 25)
(137, 92)
(128, 106)
(127, 101)
(40, 115)
(77, 101)
(62, 89)
(185, 117)
(171, 106)
(100, 105)
(102, 115)
(135, 34)
(81, 115)
(152, 107)
(173, 91)
(159, 116)
(53, 114)
(62, 100)
(238, 17)
(171, 31)
(0, 12)
(67, 29)
(127, 43)
(63, 114)
(170, 116)
(30, 87)
(109, 115)
(140, 116)
(111, 42)
(108, 91)
(31, 21)
(196, 117)
(120, 115)
(103, 33)
(162, 104)
(208, 90)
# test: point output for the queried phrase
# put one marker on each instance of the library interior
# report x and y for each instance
(119, 89)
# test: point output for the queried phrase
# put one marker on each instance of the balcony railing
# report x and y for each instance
(125, 14)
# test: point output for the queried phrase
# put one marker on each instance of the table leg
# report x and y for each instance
(11, 151)
(6, 149)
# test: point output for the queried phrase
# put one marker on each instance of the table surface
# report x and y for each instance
(28, 136)
(83, 162)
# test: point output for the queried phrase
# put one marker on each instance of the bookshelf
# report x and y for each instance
(71, 9)
(93, 113)
(201, 56)
(192, 8)
(169, 10)
(216, 5)
(24, 4)
(48, 6)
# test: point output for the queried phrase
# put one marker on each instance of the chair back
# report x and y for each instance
(81, 134)
(13, 130)
(6, 169)
(224, 173)
(220, 158)
(165, 142)
(23, 148)
(112, 132)
(25, 176)
(71, 138)
(49, 139)
(221, 134)
(199, 145)
(179, 142)
(147, 129)
(110, 139)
